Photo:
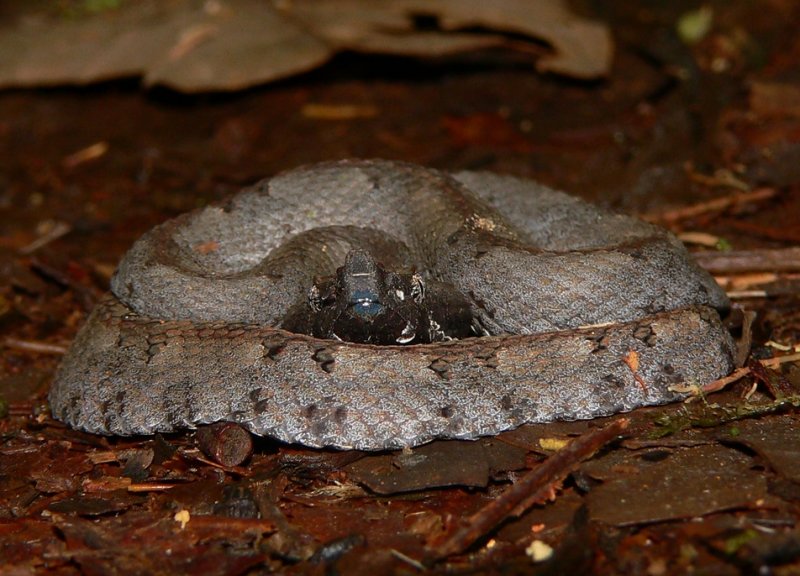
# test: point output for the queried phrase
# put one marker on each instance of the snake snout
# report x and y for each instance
(365, 304)
(362, 282)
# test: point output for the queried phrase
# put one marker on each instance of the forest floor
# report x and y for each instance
(695, 127)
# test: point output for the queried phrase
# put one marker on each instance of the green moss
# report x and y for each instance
(707, 415)
(723, 245)
(733, 544)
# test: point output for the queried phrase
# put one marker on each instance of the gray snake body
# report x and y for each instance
(585, 314)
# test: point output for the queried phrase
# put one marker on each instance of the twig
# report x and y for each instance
(53, 231)
(714, 385)
(721, 177)
(740, 288)
(715, 205)
(737, 261)
(700, 239)
(531, 488)
(151, 487)
(318, 111)
(93, 152)
(230, 522)
(759, 284)
(33, 346)
(772, 362)
(408, 560)
(747, 294)
(738, 374)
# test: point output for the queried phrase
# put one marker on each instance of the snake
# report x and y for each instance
(561, 310)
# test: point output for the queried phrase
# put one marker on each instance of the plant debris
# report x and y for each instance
(200, 46)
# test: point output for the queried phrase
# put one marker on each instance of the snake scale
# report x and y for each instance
(578, 313)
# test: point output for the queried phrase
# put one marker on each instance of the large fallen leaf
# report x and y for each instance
(192, 45)
(581, 48)
(185, 44)
(445, 463)
(659, 485)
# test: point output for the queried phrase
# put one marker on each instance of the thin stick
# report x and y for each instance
(151, 487)
(737, 261)
(772, 362)
(721, 383)
(715, 205)
(33, 346)
(738, 374)
(531, 488)
(56, 231)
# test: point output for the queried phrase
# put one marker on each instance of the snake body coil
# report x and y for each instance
(584, 314)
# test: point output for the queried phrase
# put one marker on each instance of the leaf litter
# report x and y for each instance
(223, 45)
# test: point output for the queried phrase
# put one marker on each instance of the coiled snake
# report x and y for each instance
(575, 313)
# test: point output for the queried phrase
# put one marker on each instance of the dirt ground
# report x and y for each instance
(698, 133)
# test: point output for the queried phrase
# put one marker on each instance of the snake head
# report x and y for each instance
(364, 302)
(362, 285)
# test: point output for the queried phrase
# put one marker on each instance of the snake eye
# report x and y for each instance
(417, 288)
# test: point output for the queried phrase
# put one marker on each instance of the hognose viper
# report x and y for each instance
(578, 313)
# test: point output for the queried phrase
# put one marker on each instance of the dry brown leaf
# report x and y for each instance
(197, 46)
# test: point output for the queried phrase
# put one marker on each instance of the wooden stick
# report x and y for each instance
(738, 374)
(530, 489)
(737, 261)
(715, 205)
(33, 346)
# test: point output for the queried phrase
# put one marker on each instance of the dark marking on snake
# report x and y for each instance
(273, 347)
(440, 367)
(646, 335)
(324, 359)
(613, 380)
